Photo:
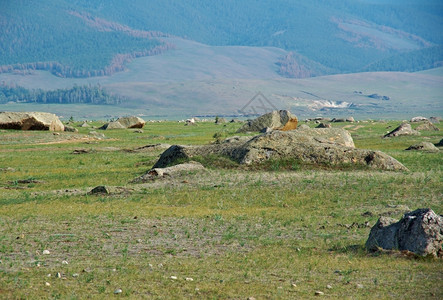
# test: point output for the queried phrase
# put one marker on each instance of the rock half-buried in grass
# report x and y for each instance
(330, 147)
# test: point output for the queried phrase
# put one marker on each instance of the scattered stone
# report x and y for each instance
(97, 135)
(56, 133)
(319, 293)
(118, 291)
(173, 277)
(350, 119)
(82, 151)
(64, 262)
(58, 275)
(101, 189)
(47, 284)
(403, 129)
(70, 129)
(139, 241)
(294, 285)
(75, 275)
(418, 119)
(420, 232)
(281, 120)
(46, 252)
(424, 146)
(85, 125)
(149, 148)
(169, 171)
(30, 121)
(338, 120)
(324, 125)
(220, 120)
(189, 279)
(427, 126)
(138, 131)
(329, 286)
(7, 169)
(359, 286)
(251, 298)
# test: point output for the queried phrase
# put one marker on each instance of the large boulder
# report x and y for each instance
(281, 119)
(427, 126)
(418, 119)
(420, 231)
(132, 122)
(30, 121)
(424, 146)
(125, 122)
(403, 129)
(309, 146)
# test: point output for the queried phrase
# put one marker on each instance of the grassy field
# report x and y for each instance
(280, 232)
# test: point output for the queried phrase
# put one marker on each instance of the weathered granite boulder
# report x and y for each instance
(403, 129)
(309, 146)
(131, 122)
(420, 231)
(30, 121)
(427, 126)
(281, 119)
(424, 146)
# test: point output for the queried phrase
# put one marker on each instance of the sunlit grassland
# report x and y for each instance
(236, 232)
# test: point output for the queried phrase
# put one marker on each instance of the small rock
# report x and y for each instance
(251, 298)
(49, 275)
(189, 279)
(75, 275)
(160, 265)
(139, 241)
(319, 293)
(47, 284)
(118, 291)
(197, 289)
(173, 277)
(359, 286)
(58, 275)
(294, 285)
(46, 252)
(329, 286)
(56, 133)
(64, 262)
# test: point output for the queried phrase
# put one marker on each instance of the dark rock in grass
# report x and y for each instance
(70, 129)
(101, 189)
(439, 144)
(424, 146)
(420, 232)
(427, 126)
(324, 125)
(403, 129)
(30, 121)
(332, 147)
(82, 151)
(149, 148)
(282, 120)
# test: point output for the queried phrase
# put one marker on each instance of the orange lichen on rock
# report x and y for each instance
(290, 125)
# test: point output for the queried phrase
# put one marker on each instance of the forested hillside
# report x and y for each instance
(82, 38)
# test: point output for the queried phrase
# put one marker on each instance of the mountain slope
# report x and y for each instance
(89, 38)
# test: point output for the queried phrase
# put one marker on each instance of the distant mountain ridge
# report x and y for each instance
(83, 38)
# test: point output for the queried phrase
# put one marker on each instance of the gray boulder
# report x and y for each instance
(424, 146)
(131, 122)
(274, 120)
(30, 121)
(418, 119)
(170, 171)
(420, 231)
(435, 120)
(403, 129)
(85, 125)
(70, 129)
(112, 125)
(427, 126)
(309, 146)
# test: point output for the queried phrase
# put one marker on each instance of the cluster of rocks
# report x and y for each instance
(125, 122)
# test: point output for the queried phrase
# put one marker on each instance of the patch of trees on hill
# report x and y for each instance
(78, 94)
(293, 65)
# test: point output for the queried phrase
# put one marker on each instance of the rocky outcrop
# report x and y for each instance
(403, 129)
(309, 146)
(169, 171)
(427, 126)
(30, 121)
(420, 231)
(126, 122)
(282, 120)
(424, 146)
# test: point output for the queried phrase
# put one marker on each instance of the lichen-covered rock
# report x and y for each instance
(424, 146)
(420, 231)
(274, 120)
(30, 121)
(309, 146)
(403, 129)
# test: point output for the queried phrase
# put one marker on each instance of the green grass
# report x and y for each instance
(236, 232)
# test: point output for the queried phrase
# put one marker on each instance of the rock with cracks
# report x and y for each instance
(420, 232)
(282, 120)
(310, 146)
(30, 121)
(403, 129)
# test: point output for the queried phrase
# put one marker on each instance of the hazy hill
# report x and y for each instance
(88, 38)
